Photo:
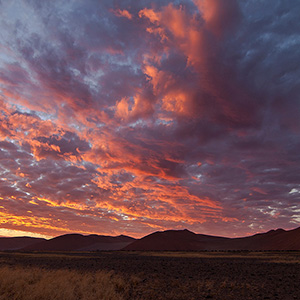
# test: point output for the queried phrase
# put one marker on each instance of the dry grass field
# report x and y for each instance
(150, 275)
(42, 284)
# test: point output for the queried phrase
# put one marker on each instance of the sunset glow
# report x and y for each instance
(128, 117)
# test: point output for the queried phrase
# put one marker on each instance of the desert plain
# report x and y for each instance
(155, 275)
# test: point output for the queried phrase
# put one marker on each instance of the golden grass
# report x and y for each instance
(19, 283)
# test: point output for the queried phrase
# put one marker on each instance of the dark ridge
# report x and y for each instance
(170, 240)
(79, 242)
(185, 240)
(17, 243)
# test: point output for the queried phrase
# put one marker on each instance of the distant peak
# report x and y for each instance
(69, 235)
(279, 230)
(123, 236)
(176, 231)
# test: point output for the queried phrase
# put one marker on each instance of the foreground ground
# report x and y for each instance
(150, 275)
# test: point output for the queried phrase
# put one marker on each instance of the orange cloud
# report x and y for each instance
(122, 109)
(123, 13)
(150, 14)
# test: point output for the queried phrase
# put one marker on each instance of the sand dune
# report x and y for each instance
(188, 241)
(16, 243)
(78, 242)
(172, 240)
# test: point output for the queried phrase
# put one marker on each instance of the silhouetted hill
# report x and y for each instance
(17, 243)
(272, 240)
(78, 242)
(185, 240)
(172, 240)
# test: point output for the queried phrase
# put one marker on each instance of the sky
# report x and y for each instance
(129, 117)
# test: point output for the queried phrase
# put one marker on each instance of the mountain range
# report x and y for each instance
(169, 240)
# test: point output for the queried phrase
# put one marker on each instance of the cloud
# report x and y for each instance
(123, 13)
(66, 145)
(133, 116)
(218, 15)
